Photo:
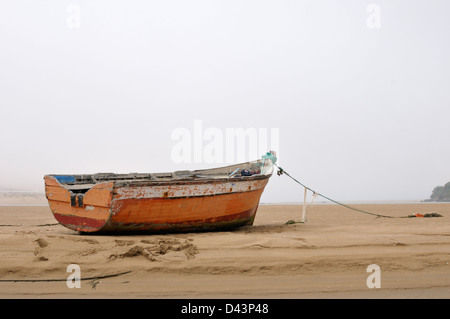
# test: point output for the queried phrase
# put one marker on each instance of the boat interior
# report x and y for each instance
(253, 169)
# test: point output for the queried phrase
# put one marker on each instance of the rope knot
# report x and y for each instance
(280, 171)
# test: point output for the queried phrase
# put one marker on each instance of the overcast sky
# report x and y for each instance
(358, 91)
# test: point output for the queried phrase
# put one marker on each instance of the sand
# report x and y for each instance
(326, 257)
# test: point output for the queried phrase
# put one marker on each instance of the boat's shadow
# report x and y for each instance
(268, 228)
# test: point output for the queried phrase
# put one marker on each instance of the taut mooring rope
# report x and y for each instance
(272, 157)
(282, 171)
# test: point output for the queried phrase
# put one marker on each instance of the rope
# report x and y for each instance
(48, 280)
(282, 171)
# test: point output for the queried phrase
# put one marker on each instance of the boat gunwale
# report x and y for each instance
(202, 180)
(193, 178)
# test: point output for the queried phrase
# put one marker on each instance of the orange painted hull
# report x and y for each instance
(156, 207)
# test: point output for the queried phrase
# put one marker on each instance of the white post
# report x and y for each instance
(303, 219)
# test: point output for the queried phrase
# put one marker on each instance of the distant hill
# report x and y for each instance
(441, 193)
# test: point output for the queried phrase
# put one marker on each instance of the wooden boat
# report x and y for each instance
(199, 200)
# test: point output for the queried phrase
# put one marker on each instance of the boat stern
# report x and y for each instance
(83, 210)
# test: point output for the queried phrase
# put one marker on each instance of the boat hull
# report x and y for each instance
(157, 207)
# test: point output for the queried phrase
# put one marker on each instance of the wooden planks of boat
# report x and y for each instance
(182, 201)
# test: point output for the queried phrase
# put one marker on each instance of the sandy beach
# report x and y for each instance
(326, 257)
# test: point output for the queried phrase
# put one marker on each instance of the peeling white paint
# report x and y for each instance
(168, 191)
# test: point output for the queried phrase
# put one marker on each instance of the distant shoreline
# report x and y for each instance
(436, 201)
(360, 202)
(22, 198)
(28, 198)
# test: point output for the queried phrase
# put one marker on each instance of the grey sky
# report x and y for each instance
(363, 113)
